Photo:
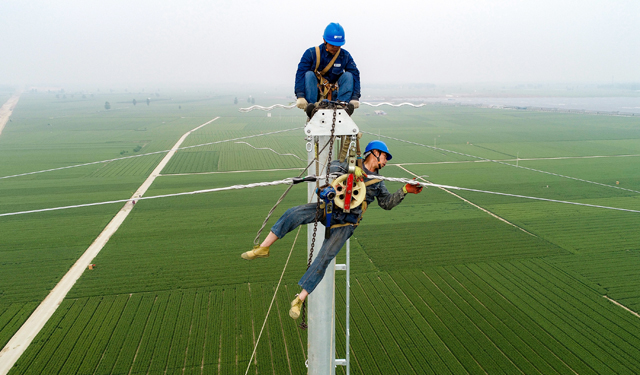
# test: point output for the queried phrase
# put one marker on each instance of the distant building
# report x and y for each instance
(380, 113)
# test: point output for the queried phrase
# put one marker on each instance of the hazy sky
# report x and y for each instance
(246, 41)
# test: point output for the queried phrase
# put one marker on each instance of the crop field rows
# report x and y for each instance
(140, 166)
(499, 317)
(189, 331)
(437, 287)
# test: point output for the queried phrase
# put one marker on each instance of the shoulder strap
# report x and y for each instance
(317, 59)
(330, 64)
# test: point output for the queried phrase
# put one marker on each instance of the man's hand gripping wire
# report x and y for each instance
(411, 188)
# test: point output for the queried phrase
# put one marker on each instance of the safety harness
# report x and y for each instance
(324, 86)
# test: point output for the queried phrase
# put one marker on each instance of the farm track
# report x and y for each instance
(7, 109)
(25, 335)
(621, 305)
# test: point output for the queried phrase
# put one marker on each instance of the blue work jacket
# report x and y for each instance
(344, 63)
(386, 200)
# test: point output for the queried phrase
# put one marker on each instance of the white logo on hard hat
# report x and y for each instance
(337, 37)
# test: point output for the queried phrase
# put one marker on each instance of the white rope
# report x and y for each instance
(394, 105)
(270, 149)
(234, 187)
(290, 181)
(414, 182)
(255, 348)
(266, 108)
(150, 153)
(262, 108)
(503, 163)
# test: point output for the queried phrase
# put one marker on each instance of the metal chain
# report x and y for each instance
(303, 323)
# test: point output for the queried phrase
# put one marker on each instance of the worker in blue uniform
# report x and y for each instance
(343, 224)
(328, 72)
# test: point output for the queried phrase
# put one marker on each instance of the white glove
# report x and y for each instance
(356, 104)
(302, 103)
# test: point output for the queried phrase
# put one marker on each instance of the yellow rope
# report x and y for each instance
(272, 300)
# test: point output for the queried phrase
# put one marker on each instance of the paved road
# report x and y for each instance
(7, 109)
(21, 340)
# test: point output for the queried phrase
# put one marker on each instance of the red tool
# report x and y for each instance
(347, 198)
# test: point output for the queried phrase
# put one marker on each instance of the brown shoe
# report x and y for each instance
(257, 252)
(296, 305)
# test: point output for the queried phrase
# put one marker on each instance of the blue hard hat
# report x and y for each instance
(377, 145)
(334, 34)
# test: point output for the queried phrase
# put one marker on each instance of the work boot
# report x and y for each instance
(350, 108)
(309, 109)
(296, 305)
(257, 252)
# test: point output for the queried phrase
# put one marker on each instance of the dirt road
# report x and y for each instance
(7, 109)
(21, 340)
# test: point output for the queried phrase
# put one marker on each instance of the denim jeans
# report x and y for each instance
(345, 87)
(305, 214)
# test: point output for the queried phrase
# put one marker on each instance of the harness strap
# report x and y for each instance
(329, 65)
(343, 225)
(372, 181)
(324, 86)
(359, 158)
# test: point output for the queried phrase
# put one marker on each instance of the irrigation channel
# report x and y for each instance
(25, 335)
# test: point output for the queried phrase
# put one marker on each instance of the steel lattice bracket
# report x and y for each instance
(322, 120)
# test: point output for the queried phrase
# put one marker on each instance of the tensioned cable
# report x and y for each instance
(414, 182)
(233, 187)
(249, 109)
(395, 105)
(503, 163)
(262, 108)
(149, 153)
(291, 181)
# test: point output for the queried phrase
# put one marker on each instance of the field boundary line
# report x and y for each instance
(7, 109)
(504, 163)
(621, 305)
(523, 159)
(469, 202)
(25, 335)
(224, 172)
(269, 149)
(149, 153)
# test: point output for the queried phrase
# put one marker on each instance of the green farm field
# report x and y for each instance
(438, 285)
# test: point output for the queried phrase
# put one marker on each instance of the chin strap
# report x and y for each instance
(378, 159)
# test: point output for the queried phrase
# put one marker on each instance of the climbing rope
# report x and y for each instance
(272, 301)
(256, 241)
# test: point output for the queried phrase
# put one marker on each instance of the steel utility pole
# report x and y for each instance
(321, 303)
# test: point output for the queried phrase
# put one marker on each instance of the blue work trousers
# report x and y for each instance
(305, 214)
(345, 87)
